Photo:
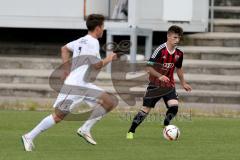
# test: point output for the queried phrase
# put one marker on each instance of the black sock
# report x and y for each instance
(137, 121)
(171, 113)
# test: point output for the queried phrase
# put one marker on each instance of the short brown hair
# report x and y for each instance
(175, 29)
(94, 20)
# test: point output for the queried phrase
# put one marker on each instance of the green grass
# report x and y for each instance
(201, 139)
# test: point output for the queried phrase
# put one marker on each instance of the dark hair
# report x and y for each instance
(175, 29)
(94, 20)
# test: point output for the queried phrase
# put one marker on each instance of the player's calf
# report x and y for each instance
(170, 114)
(138, 119)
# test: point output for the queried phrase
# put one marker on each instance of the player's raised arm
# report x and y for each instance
(105, 61)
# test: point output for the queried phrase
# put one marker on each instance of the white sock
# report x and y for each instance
(46, 123)
(96, 115)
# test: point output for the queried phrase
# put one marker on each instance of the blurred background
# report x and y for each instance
(32, 32)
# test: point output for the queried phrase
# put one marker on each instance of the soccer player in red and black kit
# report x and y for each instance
(160, 67)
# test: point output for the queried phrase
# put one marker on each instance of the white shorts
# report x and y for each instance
(70, 96)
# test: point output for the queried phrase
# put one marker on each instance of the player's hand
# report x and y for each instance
(164, 78)
(110, 57)
(187, 87)
(113, 56)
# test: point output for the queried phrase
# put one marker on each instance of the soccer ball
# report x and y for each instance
(171, 133)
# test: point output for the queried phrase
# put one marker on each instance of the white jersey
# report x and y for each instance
(89, 46)
(86, 45)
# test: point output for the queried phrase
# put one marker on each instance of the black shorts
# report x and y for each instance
(150, 101)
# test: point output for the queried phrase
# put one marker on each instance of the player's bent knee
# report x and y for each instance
(146, 109)
(172, 102)
(109, 101)
(112, 102)
(58, 116)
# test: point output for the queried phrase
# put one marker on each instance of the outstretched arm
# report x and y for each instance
(183, 83)
(105, 61)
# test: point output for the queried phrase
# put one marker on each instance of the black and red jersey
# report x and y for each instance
(165, 62)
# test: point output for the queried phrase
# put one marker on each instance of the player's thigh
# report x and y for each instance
(65, 102)
(149, 99)
(150, 102)
(171, 99)
(93, 91)
(108, 100)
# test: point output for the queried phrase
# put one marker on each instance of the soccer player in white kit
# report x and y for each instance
(87, 46)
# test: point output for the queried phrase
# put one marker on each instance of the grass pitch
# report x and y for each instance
(201, 139)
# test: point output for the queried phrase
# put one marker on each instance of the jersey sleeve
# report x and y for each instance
(179, 61)
(71, 45)
(95, 52)
(153, 58)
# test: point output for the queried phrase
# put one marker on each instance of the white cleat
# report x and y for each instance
(28, 144)
(86, 136)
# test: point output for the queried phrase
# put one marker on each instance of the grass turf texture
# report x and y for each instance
(201, 138)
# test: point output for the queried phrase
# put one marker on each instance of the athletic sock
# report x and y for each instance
(96, 115)
(170, 114)
(45, 124)
(137, 120)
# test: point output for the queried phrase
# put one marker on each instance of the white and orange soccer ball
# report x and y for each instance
(171, 133)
